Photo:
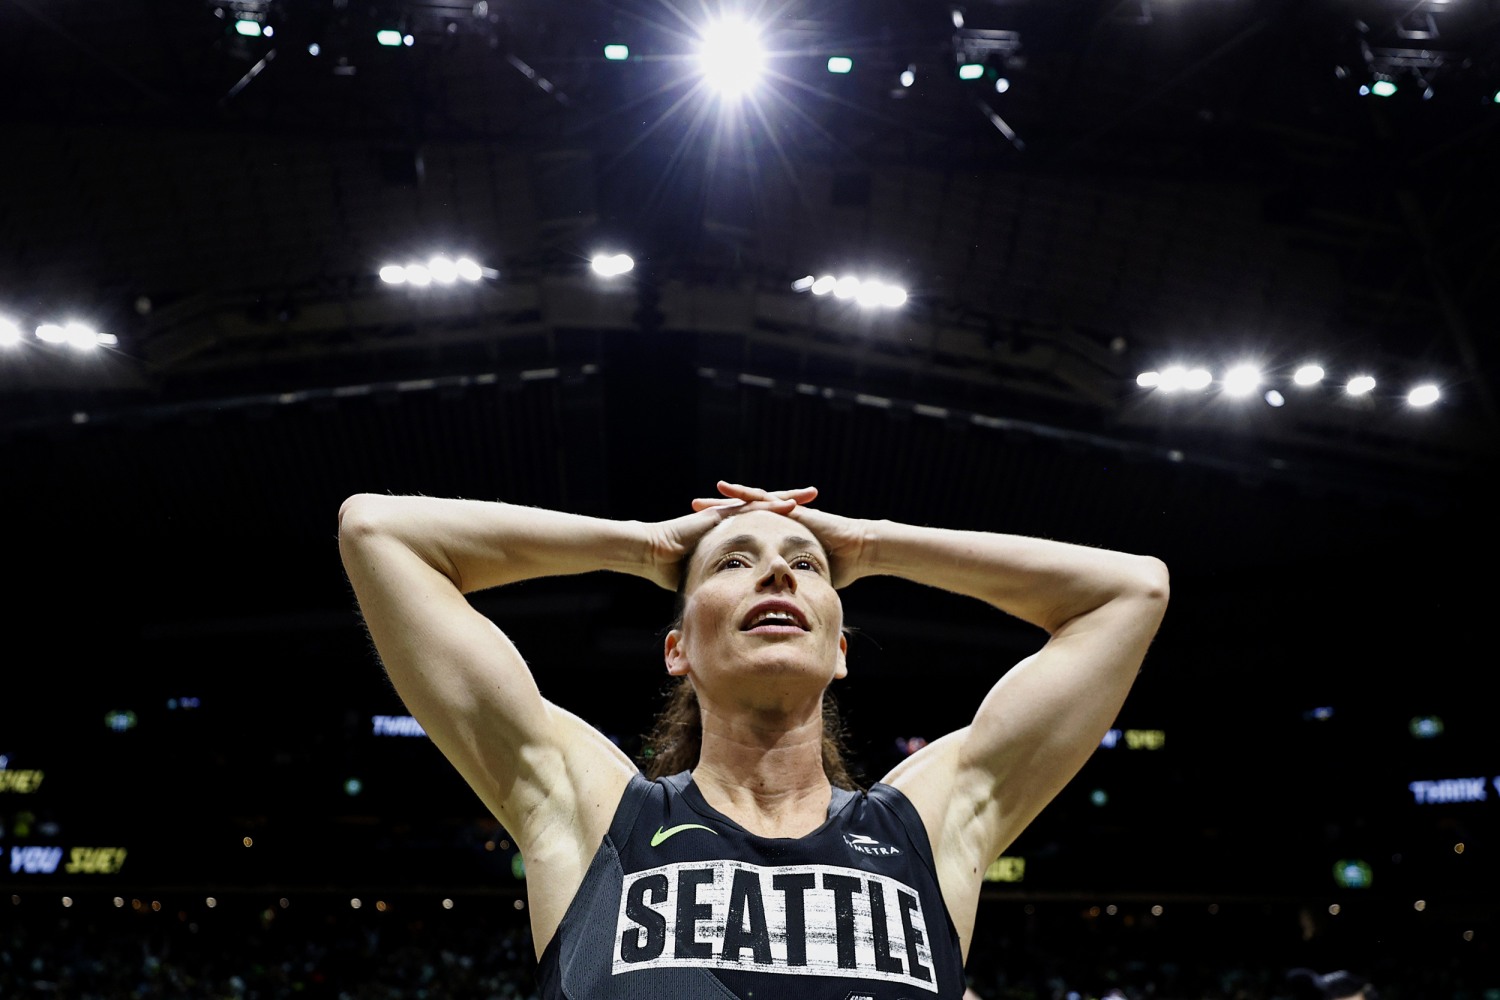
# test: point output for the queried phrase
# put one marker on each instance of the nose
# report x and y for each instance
(778, 576)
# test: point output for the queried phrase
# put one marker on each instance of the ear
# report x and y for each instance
(841, 669)
(674, 653)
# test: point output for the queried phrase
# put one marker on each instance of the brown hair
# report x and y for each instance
(675, 739)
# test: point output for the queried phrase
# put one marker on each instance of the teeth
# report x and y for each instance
(775, 617)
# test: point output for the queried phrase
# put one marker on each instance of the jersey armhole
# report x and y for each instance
(906, 813)
(637, 791)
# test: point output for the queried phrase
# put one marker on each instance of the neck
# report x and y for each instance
(765, 772)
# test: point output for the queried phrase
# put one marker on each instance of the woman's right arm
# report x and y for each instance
(411, 561)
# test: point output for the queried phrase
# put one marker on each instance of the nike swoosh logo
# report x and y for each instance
(661, 835)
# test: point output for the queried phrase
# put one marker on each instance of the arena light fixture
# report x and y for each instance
(77, 335)
(609, 265)
(908, 76)
(615, 53)
(840, 64)
(1423, 395)
(440, 269)
(869, 293)
(247, 27)
(1176, 378)
(10, 332)
(1242, 379)
(1308, 375)
(730, 56)
(388, 37)
(970, 71)
(1359, 385)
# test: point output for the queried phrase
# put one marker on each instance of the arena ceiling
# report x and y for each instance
(1161, 180)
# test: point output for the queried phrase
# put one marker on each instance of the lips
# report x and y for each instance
(774, 614)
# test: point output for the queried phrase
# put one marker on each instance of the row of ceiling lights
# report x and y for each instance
(1244, 380)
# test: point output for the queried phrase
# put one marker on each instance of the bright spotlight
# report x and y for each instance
(1359, 385)
(314, 49)
(1197, 379)
(804, 283)
(386, 36)
(1274, 398)
(610, 265)
(75, 335)
(869, 294)
(1002, 84)
(846, 287)
(824, 285)
(1423, 395)
(1148, 380)
(893, 296)
(393, 274)
(1383, 88)
(908, 76)
(971, 71)
(840, 64)
(1172, 378)
(444, 271)
(615, 53)
(731, 56)
(418, 275)
(468, 269)
(1241, 380)
(1308, 375)
(10, 332)
(248, 28)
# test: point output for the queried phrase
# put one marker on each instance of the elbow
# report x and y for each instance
(359, 515)
(1154, 581)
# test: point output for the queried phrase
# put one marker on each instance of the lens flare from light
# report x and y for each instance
(731, 57)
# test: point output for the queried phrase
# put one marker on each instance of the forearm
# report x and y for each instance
(481, 544)
(1044, 582)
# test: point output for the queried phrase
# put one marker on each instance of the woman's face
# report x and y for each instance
(761, 619)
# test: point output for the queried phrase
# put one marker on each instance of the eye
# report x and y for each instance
(806, 562)
(732, 562)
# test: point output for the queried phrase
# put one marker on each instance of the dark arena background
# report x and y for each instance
(942, 262)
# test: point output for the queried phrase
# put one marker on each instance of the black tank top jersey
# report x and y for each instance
(682, 903)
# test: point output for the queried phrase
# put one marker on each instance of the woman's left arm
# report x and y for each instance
(979, 787)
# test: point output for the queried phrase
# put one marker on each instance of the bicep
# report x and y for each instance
(1045, 716)
(457, 673)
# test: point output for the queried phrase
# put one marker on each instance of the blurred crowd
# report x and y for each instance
(317, 949)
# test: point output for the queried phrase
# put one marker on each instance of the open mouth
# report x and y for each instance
(774, 616)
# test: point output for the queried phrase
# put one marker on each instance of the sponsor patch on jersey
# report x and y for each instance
(810, 920)
(869, 845)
